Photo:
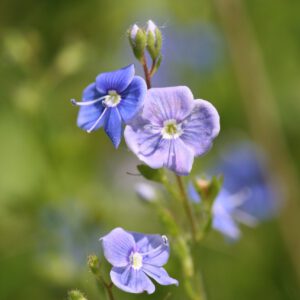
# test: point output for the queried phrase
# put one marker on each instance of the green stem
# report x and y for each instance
(109, 291)
(146, 72)
(187, 207)
(102, 283)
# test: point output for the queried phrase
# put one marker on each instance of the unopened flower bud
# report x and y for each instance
(151, 27)
(138, 39)
(93, 263)
(133, 32)
(202, 184)
(76, 295)
(154, 40)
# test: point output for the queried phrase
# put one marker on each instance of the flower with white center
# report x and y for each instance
(172, 129)
(115, 98)
(135, 257)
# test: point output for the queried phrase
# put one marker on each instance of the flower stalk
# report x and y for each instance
(187, 208)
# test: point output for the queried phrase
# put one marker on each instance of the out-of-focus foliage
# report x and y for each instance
(61, 188)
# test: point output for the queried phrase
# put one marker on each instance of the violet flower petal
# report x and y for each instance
(201, 127)
(159, 274)
(132, 99)
(132, 281)
(117, 246)
(113, 126)
(180, 157)
(225, 223)
(117, 80)
(149, 242)
(167, 103)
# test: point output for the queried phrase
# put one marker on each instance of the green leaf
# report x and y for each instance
(156, 175)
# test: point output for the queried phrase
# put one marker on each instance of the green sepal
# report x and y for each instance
(138, 44)
(154, 43)
(156, 65)
(76, 295)
(208, 190)
(158, 41)
(156, 175)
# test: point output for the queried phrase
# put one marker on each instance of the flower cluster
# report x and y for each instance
(165, 128)
(170, 129)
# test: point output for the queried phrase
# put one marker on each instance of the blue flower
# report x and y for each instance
(245, 167)
(134, 257)
(172, 129)
(115, 98)
(226, 212)
(247, 196)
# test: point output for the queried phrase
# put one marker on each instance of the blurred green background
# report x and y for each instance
(61, 189)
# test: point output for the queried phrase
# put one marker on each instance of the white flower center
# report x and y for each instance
(171, 129)
(112, 99)
(136, 260)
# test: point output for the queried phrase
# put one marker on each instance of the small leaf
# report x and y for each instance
(156, 175)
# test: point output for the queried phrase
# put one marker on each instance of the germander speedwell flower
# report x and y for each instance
(134, 257)
(172, 129)
(247, 195)
(227, 212)
(115, 97)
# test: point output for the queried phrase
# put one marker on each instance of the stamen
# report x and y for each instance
(87, 103)
(97, 121)
(171, 129)
(136, 260)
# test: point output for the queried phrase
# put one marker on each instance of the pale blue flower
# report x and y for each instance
(135, 257)
(172, 129)
(247, 195)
